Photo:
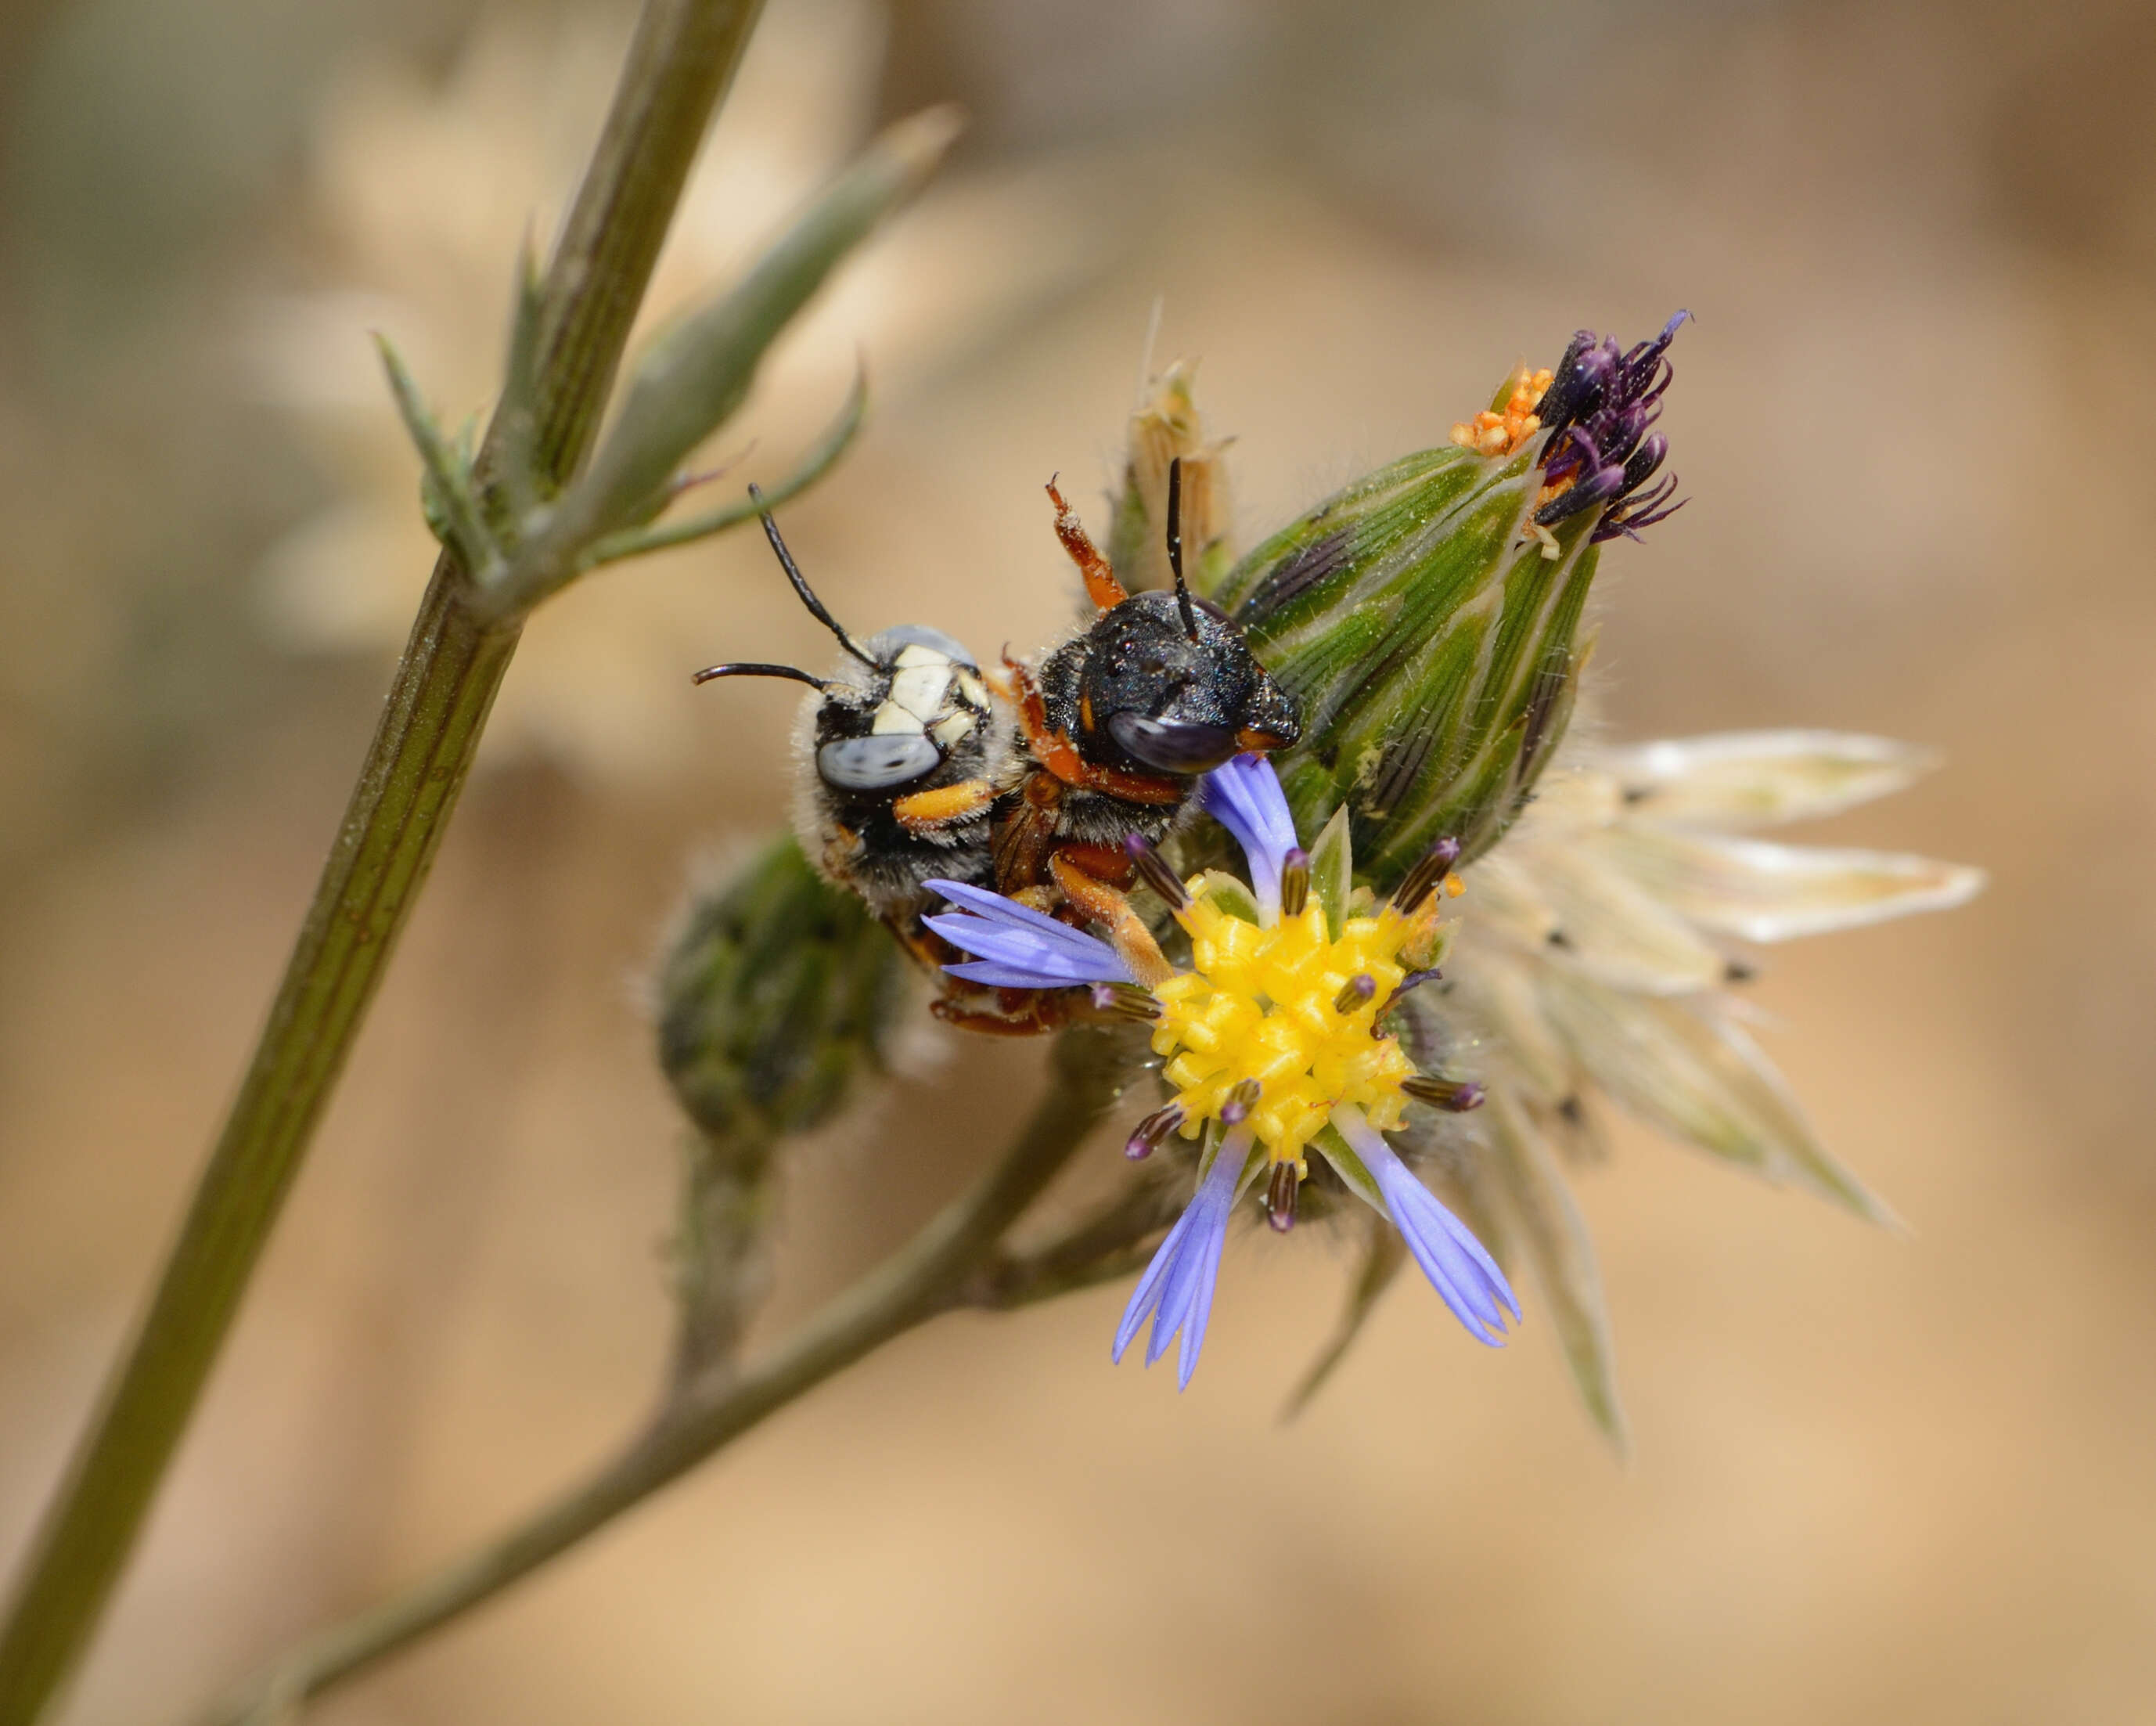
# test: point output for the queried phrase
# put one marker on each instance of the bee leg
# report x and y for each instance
(925, 811)
(1055, 750)
(1019, 850)
(1107, 907)
(1101, 587)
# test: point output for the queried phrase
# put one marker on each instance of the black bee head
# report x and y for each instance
(1157, 696)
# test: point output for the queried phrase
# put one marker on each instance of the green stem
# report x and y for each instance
(682, 56)
(914, 1284)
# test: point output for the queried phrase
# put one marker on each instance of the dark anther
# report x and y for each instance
(1126, 1000)
(1413, 979)
(1558, 938)
(1600, 407)
(1153, 870)
(1454, 1095)
(1279, 1196)
(1295, 882)
(1240, 1101)
(1355, 992)
(1147, 1136)
(1597, 487)
(1421, 880)
(1736, 971)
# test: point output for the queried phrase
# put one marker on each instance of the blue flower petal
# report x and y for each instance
(1021, 939)
(1060, 964)
(1243, 795)
(1176, 1292)
(1465, 1275)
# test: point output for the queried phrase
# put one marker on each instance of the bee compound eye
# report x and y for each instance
(1172, 746)
(874, 763)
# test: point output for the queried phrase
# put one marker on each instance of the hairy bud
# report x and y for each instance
(777, 992)
(1428, 617)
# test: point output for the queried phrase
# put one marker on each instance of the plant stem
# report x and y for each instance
(682, 56)
(914, 1284)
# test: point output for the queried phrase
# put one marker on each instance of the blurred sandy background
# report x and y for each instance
(1875, 1479)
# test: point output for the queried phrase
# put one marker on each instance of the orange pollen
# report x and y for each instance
(1500, 430)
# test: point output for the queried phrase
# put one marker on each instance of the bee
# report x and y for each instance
(905, 750)
(1117, 725)
(919, 766)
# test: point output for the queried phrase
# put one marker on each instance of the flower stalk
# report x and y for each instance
(931, 1273)
(680, 60)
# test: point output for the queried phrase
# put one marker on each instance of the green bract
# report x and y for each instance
(1432, 636)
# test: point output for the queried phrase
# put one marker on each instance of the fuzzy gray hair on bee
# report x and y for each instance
(903, 748)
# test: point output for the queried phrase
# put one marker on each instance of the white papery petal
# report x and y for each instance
(1497, 991)
(1503, 899)
(1614, 929)
(1739, 779)
(1762, 892)
(1682, 1067)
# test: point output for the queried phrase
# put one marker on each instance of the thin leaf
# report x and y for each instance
(819, 461)
(1332, 871)
(515, 454)
(694, 377)
(451, 510)
(1552, 1237)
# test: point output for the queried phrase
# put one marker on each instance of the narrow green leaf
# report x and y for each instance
(695, 376)
(837, 437)
(446, 496)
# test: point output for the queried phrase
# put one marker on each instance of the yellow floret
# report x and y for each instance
(1265, 1005)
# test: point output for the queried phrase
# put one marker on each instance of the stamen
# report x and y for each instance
(1241, 1100)
(1126, 1000)
(1454, 1095)
(1295, 882)
(1147, 1136)
(1355, 992)
(1281, 1192)
(1413, 979)
(1153, 870)
(1431, 868)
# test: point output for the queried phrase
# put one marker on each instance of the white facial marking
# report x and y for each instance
(975, 691)
(893, 717)
(948, 732)
(921, 689)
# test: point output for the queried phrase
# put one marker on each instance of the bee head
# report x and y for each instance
(1172, 691)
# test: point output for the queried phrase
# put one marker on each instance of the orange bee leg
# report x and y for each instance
(1053, 750)
(925, 811)
(1101, 587)
(1106, 905)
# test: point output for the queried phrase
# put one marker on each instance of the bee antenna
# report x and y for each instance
(752, 669)
(1175, 547)
(801, 584)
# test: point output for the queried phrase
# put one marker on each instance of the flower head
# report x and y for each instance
(1274, 1039)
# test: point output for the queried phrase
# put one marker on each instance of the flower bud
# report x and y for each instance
(1428, 617)
(779, 990)
(1167, 428)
